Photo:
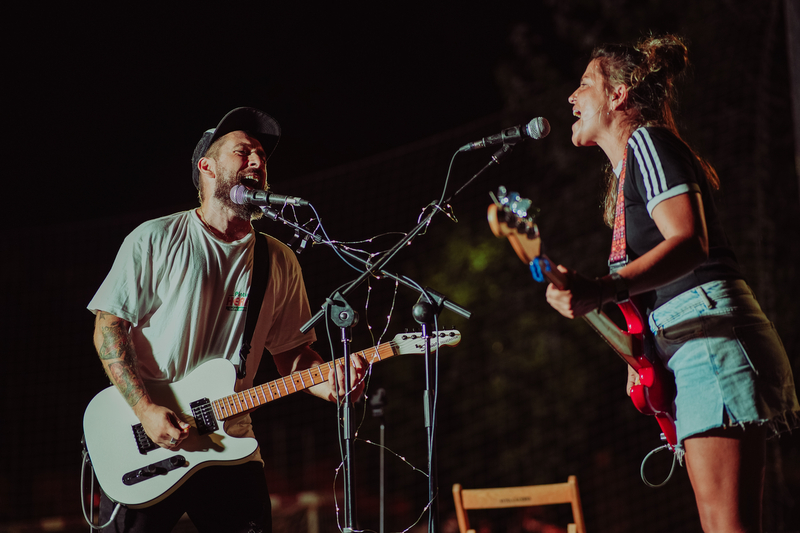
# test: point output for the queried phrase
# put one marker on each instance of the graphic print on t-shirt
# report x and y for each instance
(236, 302)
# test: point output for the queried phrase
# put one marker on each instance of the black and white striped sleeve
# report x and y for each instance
(664, 168)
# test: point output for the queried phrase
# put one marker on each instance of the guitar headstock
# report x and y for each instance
(511, 216)
(414, 343)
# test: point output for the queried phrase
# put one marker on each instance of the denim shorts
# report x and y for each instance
(729, 363)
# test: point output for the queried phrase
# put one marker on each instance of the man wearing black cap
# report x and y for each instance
(177, 296)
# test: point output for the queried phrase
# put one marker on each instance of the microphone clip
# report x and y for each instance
(299, 243)
(269, 212)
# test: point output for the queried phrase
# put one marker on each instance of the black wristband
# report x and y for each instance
(621, 293)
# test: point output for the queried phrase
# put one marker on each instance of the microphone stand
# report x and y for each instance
(425, 311)
(343, 316)
(345, 319)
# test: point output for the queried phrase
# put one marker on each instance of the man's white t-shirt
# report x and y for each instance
(184, 291)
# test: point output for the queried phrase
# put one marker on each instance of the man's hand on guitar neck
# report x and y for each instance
(303, 357)
(336, 380)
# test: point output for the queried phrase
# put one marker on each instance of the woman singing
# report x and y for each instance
(734, 382)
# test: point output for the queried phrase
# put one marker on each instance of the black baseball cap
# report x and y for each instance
(247, 119)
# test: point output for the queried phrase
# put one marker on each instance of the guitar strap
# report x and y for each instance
(619, 253)
(619, 246)
(258, 286)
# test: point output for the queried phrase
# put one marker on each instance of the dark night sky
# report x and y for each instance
(108, 106)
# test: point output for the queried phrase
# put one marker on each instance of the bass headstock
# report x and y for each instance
(513, 217)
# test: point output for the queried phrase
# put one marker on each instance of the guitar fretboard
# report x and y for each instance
(296, 381)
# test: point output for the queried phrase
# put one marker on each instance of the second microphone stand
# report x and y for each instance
(425, 312)
(343, 316)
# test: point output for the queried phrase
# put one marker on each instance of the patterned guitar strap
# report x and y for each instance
(619, 246)
(619, 250)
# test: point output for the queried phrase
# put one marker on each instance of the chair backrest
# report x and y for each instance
(528, 496)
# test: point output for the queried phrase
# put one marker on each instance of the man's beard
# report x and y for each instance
(222, 191)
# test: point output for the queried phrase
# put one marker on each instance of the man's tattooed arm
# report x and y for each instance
(112, 339)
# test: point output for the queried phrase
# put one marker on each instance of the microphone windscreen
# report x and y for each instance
(538, 128)
(237, 194)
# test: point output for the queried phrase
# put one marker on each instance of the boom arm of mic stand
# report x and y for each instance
(452, 306)
(378, 267)
(496, 157)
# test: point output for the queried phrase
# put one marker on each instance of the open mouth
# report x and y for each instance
(250, 181)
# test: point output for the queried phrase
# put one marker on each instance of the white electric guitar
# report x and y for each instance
(134, 471)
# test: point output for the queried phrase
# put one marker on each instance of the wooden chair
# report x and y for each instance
(529, 496)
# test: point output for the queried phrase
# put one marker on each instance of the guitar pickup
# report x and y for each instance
(204, 417)
(156, 469)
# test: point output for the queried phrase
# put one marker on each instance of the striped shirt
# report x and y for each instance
(660, 166)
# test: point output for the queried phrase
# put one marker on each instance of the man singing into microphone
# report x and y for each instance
(165, 308)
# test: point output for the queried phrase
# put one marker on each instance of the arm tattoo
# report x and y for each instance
(118, 355)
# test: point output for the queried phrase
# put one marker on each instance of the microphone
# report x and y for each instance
(245, 195)
(535, 129)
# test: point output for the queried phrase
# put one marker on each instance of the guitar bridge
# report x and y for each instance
(143, 442)
(204, 417)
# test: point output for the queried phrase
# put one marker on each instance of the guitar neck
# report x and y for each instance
(506, 220)
(619, 341)
(259, 395)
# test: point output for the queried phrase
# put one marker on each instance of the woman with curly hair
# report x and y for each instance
(732, 375)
